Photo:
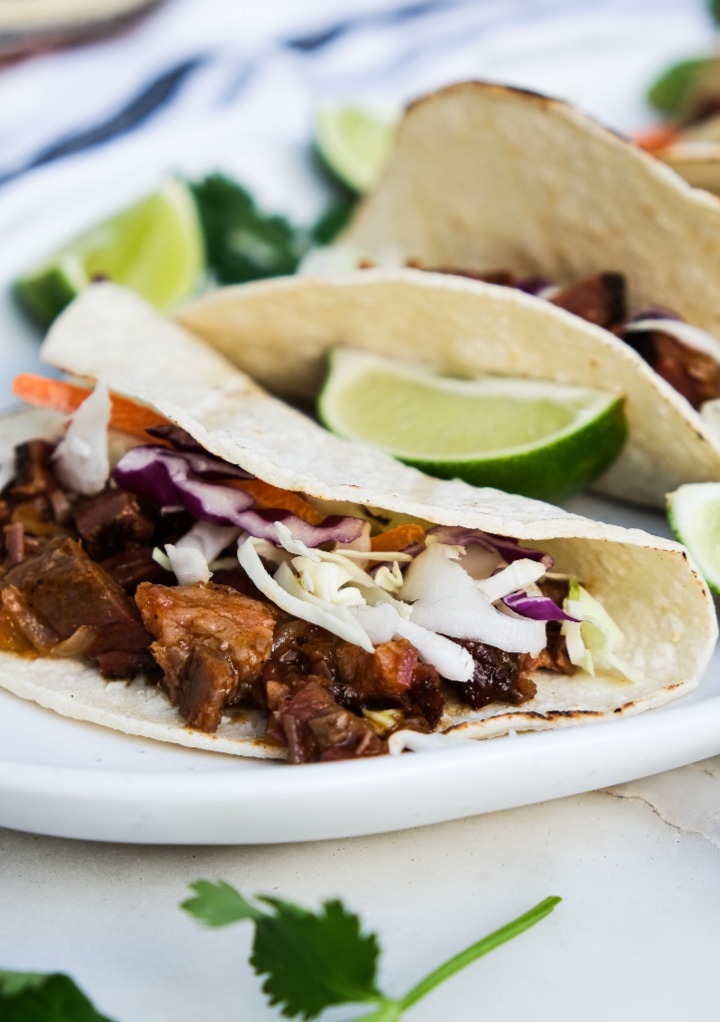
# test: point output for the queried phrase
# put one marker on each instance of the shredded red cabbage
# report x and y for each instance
(175, 435)
(539, 608)
(653, 312)
(533, 285)
(170, 479)
(509, 549)
(205, 465)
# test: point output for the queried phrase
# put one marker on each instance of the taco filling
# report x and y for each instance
(228, 593)
(280, 592)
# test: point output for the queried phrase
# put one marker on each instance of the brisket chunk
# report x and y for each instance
(692, 373)
(211, 643)
(391, 676)
(135, 564)
(315, 728)
(497, 677)
(111, 520)
(555, 655)
(599, 300)
(34, 476)
(63, 590)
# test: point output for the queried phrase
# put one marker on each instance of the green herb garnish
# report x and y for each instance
(309, 961)
(672, 92)
(315, 960)
(33, 997)
(243, 243)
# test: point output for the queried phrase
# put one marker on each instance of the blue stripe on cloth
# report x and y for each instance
(151, 98)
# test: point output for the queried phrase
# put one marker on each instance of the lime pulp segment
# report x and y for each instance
(528, 436)
(354, 143)
(451, 422)
(154, 247)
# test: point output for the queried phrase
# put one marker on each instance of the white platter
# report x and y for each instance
(74, 780)
(64, 778)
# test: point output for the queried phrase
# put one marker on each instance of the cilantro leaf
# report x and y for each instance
(34, 997)
(314, 960)
(673, 90)
(219, 904)
(715, 10)
(241, 242)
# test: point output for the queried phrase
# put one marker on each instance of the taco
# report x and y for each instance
(354, 601)
(524, 191)
(280, 332)
(690, 141)
(694, 154)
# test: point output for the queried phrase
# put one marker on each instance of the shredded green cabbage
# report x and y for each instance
(594, 640)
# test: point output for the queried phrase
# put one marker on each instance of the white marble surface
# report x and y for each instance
(638, 866)
(635, 938)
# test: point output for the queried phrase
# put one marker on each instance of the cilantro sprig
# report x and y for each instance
(35, 997)
(311, 961)
(244, 243)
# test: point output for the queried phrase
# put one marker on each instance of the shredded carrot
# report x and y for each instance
(125, 415)
(655, 139)
(265, 495)
(398, 538)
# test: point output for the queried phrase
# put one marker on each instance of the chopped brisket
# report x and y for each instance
(599, 299)
(65, 589)
(692, 373)
(134, 565)
(555, 655)
(34, 476)
(497, 677)
(300, 649)
(111, 520)
(211, 643)
(390, 676)
(316, 728)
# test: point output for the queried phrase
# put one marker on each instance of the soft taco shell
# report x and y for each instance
(485, 177)
(279, 332)
(647, 584)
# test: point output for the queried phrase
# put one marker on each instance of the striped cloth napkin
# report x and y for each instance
(257, 71)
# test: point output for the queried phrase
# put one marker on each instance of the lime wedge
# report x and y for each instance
(532, 437)
(694, 515)
(354, 143)
(155, 247)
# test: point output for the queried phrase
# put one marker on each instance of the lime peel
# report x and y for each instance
(354, 143)
(534, 437)
(154, 247)
(694, 517)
